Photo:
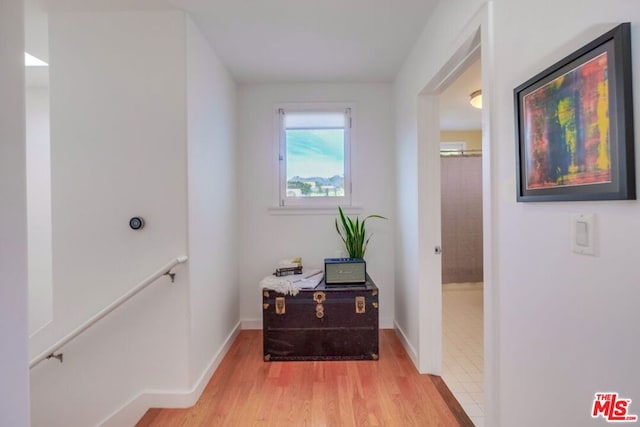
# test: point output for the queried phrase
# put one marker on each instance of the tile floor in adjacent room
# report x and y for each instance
(463, 369)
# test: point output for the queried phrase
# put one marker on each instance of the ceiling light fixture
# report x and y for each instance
(32, 61)
(476, 99)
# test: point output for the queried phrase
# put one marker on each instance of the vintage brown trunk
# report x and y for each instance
(325, 323)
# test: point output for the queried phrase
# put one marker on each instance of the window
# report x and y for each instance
(314, 156)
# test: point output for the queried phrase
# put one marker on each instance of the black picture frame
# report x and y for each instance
(574, 125)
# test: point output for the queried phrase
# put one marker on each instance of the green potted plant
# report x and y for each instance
(353, 233)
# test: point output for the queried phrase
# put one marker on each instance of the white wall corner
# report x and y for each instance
(413, 354)
(14, 386)
(131, 412)
(251, 324)
(387, 323)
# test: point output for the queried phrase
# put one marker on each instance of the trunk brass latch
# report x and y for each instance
(319, 297)
(280, 307)
(360, 305)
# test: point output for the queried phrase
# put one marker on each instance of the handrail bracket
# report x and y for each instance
(58, 356)
(171, 275)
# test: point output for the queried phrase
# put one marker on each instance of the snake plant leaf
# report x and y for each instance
(340, 232)
(354, 234)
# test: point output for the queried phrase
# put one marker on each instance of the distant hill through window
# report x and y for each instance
(315, 162)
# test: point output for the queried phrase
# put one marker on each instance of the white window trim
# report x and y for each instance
(311, 210)
(310, 205)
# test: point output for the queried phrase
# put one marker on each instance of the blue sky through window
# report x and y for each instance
(315, 153)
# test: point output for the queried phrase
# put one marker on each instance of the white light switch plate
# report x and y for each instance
(583, 234)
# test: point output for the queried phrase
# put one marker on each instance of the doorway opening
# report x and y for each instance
(473, 43)
(461, 236)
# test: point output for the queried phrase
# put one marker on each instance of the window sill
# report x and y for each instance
(312, 210)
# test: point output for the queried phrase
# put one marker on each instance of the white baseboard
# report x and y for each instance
(407, 345)
(131, 412)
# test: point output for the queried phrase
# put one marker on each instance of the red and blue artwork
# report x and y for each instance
(566, 128)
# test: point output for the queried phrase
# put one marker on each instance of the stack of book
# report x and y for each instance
(289, 266)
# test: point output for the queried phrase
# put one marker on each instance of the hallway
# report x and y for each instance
(245, 391)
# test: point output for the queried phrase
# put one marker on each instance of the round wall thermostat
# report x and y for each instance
(136, 223)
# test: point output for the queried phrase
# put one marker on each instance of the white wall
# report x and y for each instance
(566, 322)
(14, 386)
(36, 30)
(550, 316)
(266, 238)
(118, 148)
(211, 99)
(406, 288)
(39, 208)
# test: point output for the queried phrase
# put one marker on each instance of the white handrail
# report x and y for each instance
(166, 270)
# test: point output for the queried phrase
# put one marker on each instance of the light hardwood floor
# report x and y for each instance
(246, 391)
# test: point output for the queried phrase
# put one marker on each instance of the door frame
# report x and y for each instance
(477, 36)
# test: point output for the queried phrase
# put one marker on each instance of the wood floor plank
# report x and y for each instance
(246, 391)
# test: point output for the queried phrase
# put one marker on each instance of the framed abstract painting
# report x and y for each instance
(574, 125)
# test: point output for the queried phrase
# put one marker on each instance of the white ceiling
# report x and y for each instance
(311, 41)
(296, 41)
(290, 41)
(455, 111)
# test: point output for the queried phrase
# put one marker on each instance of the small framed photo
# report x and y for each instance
(574, 125)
